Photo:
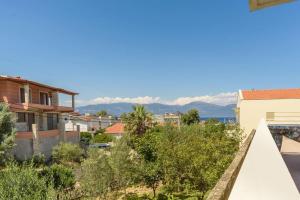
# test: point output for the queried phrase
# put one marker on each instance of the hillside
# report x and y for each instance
(205, 109)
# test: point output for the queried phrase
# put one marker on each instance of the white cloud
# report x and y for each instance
(137, 100)
(219, 99)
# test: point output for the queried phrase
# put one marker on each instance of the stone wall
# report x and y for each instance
(47, 144)
(23, 149)
(72, 137)
(31, 143)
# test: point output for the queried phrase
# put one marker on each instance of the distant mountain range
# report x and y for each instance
(205, 109)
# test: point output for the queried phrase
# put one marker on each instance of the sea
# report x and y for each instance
(221, 119)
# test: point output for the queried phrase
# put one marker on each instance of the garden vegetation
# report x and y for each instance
(149, 162)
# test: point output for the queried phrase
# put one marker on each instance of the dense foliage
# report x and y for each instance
(102, 113)
(103, 138)
(96, 175)
(7, 132)
(59, 176)
(86, 137)
(172, 162)
(105, 172)
(138, 121)
(24, 183)
(67, 152)
(195, 157)
(191, 117)
(180, 162)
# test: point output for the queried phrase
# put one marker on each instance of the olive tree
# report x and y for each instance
(7, 132)
(24, 182)
(191, 117)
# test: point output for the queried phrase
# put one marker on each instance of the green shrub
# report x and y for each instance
(103, 138)
(131, 196)
(67, 152)
(7, 134)
(23, 182)
(161, 196)
(86, 137)
(97, 176)
(100, 131)
(38, 160)
(59, 176)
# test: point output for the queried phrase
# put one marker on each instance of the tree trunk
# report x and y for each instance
(154, 191)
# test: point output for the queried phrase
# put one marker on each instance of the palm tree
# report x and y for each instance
(138, 121)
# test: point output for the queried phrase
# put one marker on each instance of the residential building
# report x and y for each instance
(168, 118)
(87, 123)
(278, 107)
(117, 130)
(107, 121)
(38, 113)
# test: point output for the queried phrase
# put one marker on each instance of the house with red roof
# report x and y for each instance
(117, 130)
(38, 113)
(277, 106)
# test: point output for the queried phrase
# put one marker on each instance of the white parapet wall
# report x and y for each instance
(264, 174)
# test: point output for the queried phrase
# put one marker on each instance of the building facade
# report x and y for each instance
(278, 107)
(38, 114)
(87, 123)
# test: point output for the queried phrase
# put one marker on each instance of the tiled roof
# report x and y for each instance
(271, 94)
(117, 128)
(24, 81)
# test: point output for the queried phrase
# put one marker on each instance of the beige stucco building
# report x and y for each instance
(278, 107)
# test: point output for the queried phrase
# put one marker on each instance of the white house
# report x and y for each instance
(278, 107)
(87, 123)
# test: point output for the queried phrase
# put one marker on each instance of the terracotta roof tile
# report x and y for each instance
(117, 128)
(271, 94)
(21, 80)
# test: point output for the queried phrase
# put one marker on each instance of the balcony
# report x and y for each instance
(44, 108)
(42, 134)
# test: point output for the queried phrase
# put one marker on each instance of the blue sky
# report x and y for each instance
(157, 48)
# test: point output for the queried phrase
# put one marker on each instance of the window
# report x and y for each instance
(22, 95)
(21, 117)
(44, 100)
(52, 120)
(30, 120)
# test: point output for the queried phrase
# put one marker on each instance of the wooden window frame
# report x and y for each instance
(18, 118)
(20, 95)
(47, 99)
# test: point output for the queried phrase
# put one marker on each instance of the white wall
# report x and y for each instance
(264, 175)
(251, 111)
(83, 126)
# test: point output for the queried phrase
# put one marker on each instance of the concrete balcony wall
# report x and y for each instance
(72, 137)
(35, 142)
(47, 140)
(23, 149)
